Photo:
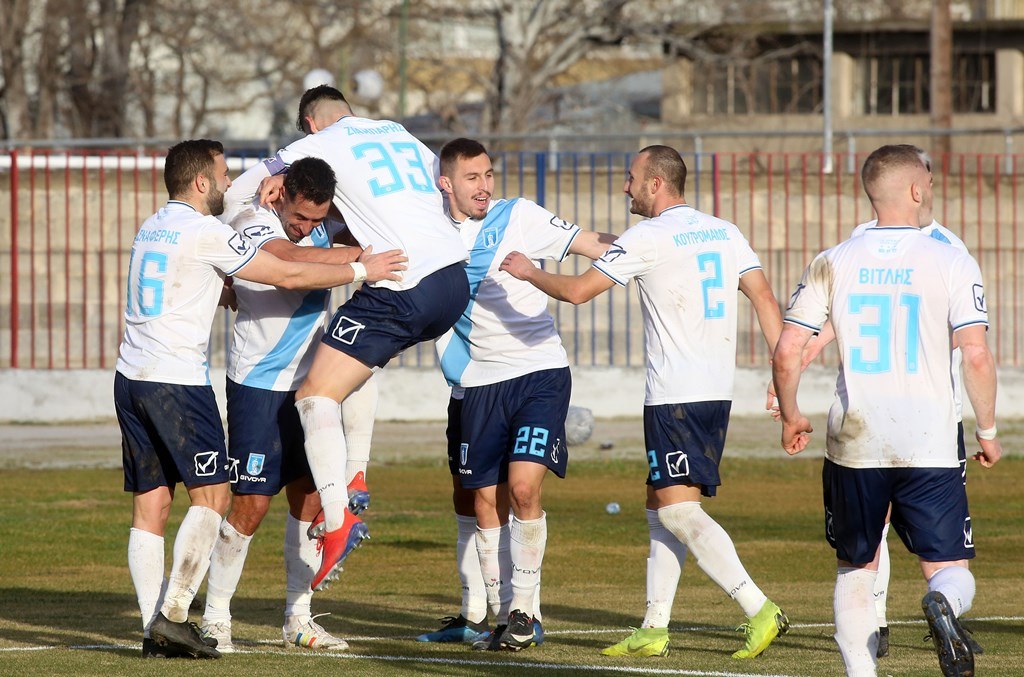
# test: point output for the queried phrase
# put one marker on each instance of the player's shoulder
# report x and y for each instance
(940, 233)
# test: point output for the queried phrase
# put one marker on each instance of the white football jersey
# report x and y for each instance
(506, 330)
(274, 328)
(178, 263)
(937, 231)
(687, 266)
(386, 192)
(894, 297)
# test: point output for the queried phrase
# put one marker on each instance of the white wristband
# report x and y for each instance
(986, 433)
(358, 271)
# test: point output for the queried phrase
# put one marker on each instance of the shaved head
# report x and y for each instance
(889, 172)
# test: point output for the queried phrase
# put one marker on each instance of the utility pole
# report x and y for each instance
(403, 34)
(941, 86)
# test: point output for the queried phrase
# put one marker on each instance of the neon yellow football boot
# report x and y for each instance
(642, 642)
(769, 623)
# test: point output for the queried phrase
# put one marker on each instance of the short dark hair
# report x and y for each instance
(313, 96)
(888, 158)
(667, 163)
(187, 160)
(459, 149)
(311, 179)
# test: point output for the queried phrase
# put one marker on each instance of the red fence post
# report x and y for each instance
(14, 259)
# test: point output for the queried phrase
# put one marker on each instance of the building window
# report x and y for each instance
(781, 86)
(898, 84)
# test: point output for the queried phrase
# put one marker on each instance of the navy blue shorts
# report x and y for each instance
(265, 440)
(522, 419)
(169, 433)
(929, 511)
(961, 450)
(376, 323)
(453, 433)
(685, 444)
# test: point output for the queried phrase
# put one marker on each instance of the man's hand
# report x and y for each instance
(991, 452)
(385, 266)
(517, 265)
(796, 435)
(227, 295)
(271, 188)
(771, 405)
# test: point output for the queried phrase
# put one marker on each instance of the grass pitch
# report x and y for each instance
(67, 603)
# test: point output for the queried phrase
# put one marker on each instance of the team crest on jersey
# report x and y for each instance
(346, 330)
(206, 463)
(238, 244)
(463, 453)
(490, 238)
(677, 464)
(254, 466)
(979, 298)
(968, 534)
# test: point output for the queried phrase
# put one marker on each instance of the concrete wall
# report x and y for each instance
(421, 395)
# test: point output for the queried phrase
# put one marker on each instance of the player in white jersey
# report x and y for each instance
(270, 356)
(170, 425)
(511, 387)
(387, 195)
(687, 267)
(937, 231)
(896, 299)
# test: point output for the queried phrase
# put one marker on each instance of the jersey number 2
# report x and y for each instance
(710, 263)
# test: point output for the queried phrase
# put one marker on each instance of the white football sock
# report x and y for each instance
(536, 602)
(492, 546)
(226, 565)
(882, 579)
(957, 585)
(714, 552)
(326, 454)
(146, 566)
(474, 598)
(528, 539)
(301, 562)
(192, 549)
(357, 413)
(856, 629)
(664, 566)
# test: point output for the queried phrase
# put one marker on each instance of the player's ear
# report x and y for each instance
(445, 183)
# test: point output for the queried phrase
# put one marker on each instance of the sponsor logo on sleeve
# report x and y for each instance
(795, 295)
(562, 223)
(238, 244)
(257, 232)
(979, 298)
(614, 252)
(206, 463)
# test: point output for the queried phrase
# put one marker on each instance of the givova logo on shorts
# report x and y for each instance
(968, 533)
(346, 330)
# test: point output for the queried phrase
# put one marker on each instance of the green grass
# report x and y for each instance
(64, 580)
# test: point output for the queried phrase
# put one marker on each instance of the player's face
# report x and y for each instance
(640, 199)
(218, 186)
(472, 185)
(300, 216)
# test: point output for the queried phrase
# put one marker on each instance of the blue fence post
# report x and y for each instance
(542, 168)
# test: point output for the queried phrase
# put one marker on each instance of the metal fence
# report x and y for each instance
(66, 237)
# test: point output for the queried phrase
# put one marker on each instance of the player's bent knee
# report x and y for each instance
(248, 511)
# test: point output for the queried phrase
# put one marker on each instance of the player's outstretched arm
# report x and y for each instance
(266, 268)
(755, 287)
(289, 251)
(591, 244)
(575, 289)
(384, 266)
(980, 384)
(786, 370)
